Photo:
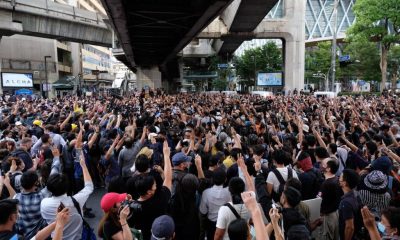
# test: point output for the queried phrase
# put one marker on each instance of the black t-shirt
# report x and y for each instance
(150, 210)
(7, 235)
(331, 194)
(311, 183)
(110, 229)
(350, 208)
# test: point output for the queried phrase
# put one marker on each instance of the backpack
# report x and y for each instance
(276, 196)
(298, 232)
(13, 181)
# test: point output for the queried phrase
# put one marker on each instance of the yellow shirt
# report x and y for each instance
(228, 162)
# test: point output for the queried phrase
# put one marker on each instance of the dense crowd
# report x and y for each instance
(201, 166)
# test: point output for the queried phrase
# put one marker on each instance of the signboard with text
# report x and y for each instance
(269, 79)
(17, 80)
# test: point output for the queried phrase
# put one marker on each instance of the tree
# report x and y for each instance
(394, 65)
(378, 21)
(317, 60)
(267, 58)
(364, 57)
(221, 82)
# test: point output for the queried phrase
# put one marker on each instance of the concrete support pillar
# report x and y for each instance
(148, 77)
(290, 28)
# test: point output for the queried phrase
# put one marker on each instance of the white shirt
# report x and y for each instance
(272, 179)
(342, 155)
(226, 216)
(212, 199)
(49, 206)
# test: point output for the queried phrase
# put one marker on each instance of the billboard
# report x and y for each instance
(269, 79)
(17, 80)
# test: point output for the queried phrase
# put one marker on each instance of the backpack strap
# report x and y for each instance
(233, 210)
(279, 175)
(76, 204)
(341, 160)
(290, 173)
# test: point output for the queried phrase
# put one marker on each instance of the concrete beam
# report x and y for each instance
(202, 49)
(48, 19)
(290, 29)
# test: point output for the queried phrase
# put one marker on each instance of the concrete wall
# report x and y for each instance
(24, 54)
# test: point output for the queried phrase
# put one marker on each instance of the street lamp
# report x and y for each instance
(333, 57)
(47, 80)
(255, 73)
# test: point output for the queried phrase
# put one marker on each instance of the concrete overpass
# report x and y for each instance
(151, 33)
(290, 29)
(47, 19)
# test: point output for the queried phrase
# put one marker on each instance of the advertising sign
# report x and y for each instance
(17, 80)
(269, 79)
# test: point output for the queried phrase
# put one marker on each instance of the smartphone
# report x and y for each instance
(60, 207)
(78, 155)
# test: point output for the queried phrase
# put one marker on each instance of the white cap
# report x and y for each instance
(18, 123)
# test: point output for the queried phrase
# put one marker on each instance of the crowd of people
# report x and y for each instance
(201, 166)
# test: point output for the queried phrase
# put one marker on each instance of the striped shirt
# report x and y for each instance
(376, 201)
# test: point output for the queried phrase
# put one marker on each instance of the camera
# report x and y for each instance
(134, 207)
(274, 206)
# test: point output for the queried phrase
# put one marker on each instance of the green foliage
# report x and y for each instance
(317, 59)
(365, 60)
(374, 18)
(267, 58)
(220, 84)
(377, 21)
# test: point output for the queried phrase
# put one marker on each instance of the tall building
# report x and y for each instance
(320, 21)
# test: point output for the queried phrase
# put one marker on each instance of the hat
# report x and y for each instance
(110, 199)
(8, 206)
(179, 158)
(37, 123)
(163, 228)
(74, 126)
(146, 151)
(376, 180)
(382, 164)
(333, 118)
(293, 196)
(152, 135)
(18, 123)
(306, 128)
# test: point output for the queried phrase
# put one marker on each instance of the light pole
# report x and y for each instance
(46, 78)
(255, 73)
(333, 57)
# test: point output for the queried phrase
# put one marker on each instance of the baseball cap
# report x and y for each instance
(163, 228)
(179, 158)
(18, 123)
(110, 199)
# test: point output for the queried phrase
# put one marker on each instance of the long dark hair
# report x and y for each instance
(112, 216)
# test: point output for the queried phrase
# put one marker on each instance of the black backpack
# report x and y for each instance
(12, 181)
(276, 196)
(298, 232)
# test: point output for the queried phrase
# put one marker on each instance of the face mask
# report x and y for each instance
(381, 227)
